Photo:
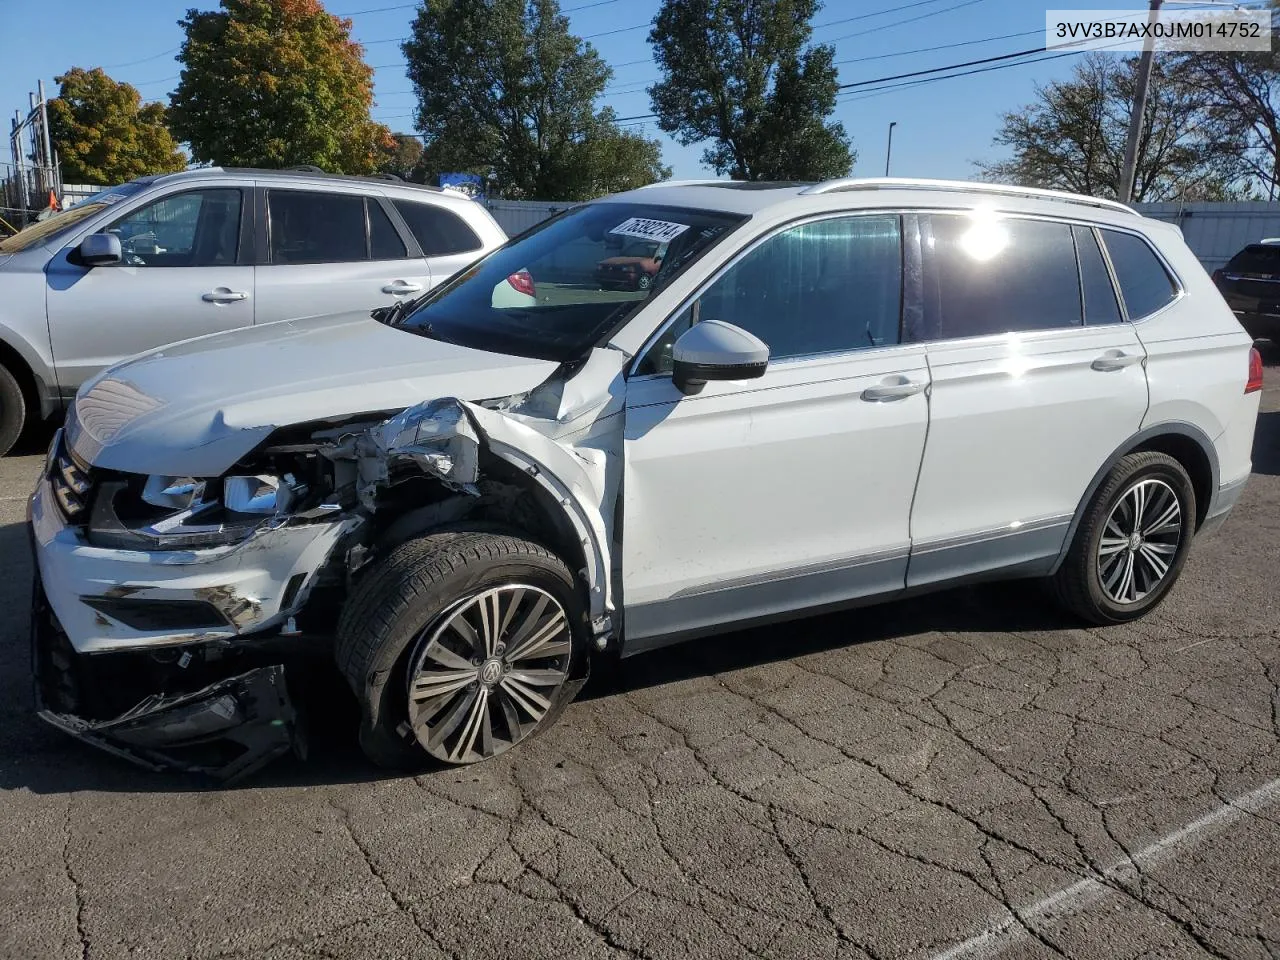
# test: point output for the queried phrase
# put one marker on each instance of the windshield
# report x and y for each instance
(44, 230)
(559, 289)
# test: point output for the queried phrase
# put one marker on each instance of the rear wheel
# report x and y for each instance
(13, 411)
(461, 646)
(644, 282)
(1132, 541)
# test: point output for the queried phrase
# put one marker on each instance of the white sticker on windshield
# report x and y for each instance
(660, 231)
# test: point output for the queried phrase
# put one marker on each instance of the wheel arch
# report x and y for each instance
(33, 387)
(1185, 442)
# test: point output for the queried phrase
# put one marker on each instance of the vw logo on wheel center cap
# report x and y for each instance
(491, 672)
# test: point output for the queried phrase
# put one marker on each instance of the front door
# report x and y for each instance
(1036, 382)
(757, 498)
(184, 275)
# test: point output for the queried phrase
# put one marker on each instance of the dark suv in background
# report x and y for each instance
(1250, 282)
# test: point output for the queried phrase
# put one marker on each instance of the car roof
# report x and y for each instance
(753, 198)
(307, 175)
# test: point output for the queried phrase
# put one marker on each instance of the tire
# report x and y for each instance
(412, 644)
(1118, 569)
(13, 411)
(644, 282)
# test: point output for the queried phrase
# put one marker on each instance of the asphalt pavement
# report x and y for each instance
(961, 775)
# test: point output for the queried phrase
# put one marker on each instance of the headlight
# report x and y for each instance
(186, 513)
(265, 495)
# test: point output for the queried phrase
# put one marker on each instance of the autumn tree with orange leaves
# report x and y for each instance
(276, 83)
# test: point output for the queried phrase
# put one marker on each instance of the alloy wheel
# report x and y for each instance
(1140, 541)
(487, 671)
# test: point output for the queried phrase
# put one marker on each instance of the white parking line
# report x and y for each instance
(1004, 933)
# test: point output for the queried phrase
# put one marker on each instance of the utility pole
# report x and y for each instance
(888, 154)
(1129, 171)
(51, 176)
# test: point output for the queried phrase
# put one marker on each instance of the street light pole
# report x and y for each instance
(1129, 171)
(888, 154)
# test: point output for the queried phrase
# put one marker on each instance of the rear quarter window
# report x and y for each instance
(1144, 282)
(439, 232)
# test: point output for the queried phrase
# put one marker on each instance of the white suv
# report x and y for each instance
(827, 395)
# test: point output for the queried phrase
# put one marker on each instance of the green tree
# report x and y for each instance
(105, 135)
(276, 83)
(741, 76)
(1072, 137)
(505, 90)
(401, 155)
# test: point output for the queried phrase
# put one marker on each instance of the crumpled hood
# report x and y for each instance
(196, 407)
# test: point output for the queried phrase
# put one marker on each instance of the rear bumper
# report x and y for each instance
(1226, 497)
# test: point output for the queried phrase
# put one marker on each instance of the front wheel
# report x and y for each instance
(461, 645)
(1132, 541)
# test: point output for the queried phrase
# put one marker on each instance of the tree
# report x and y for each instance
(105, 135)
(504, 90)
(740, 75)
(1072, 137)
(275, 83)
(401, 155)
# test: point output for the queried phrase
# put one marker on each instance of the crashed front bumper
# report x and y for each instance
(245, 588)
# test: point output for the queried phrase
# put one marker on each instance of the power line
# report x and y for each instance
(878, 13)
(899, 23)
(953, 66)
(941, 46)
(134, 63)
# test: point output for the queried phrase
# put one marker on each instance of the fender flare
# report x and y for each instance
(47, 403)
(1175, 427)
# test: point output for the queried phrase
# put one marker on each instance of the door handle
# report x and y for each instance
(1115, 360)
(893, 388)
(224, 295)
(400, 286)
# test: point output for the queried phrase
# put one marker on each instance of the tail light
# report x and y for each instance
(522, 282)
(1254, 383)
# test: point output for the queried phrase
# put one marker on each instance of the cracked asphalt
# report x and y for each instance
(961, 775)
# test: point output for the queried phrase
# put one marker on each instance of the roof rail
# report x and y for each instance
(845, 184)
(681, 183)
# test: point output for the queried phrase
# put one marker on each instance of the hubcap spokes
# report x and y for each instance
(486, 673)
(1139, 541)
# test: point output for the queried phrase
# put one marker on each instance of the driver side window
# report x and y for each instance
(199, 228)
(830, 286)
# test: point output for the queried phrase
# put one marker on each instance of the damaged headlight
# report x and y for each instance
(187, 513)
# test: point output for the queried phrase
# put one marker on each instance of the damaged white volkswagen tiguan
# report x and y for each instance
(828, 394)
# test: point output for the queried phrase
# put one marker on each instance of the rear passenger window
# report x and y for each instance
(986, 275)
(1144, 283)
(1100, 305)
(384, 241)
(438, 231)
(312, 227)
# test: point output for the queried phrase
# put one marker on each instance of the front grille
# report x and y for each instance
(72, 482)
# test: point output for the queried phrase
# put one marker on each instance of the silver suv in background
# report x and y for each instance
(168, 258)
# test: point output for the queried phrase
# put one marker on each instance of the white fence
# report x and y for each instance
(1215, 232)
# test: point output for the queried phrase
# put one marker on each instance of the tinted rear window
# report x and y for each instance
(996, 275)
(1144, 283)
(1258, 258)
(438, 231)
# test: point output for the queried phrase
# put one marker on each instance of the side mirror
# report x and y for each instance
(100, 249)
(715, 350)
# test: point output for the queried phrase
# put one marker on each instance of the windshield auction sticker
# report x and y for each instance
(660, 231)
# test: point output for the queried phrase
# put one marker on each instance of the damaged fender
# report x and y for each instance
(443, 438)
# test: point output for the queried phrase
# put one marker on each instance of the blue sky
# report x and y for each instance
(942, 127)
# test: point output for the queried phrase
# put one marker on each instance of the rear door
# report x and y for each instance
(445, 239)
(332, 251)
(1027, 399)
(187, 271)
